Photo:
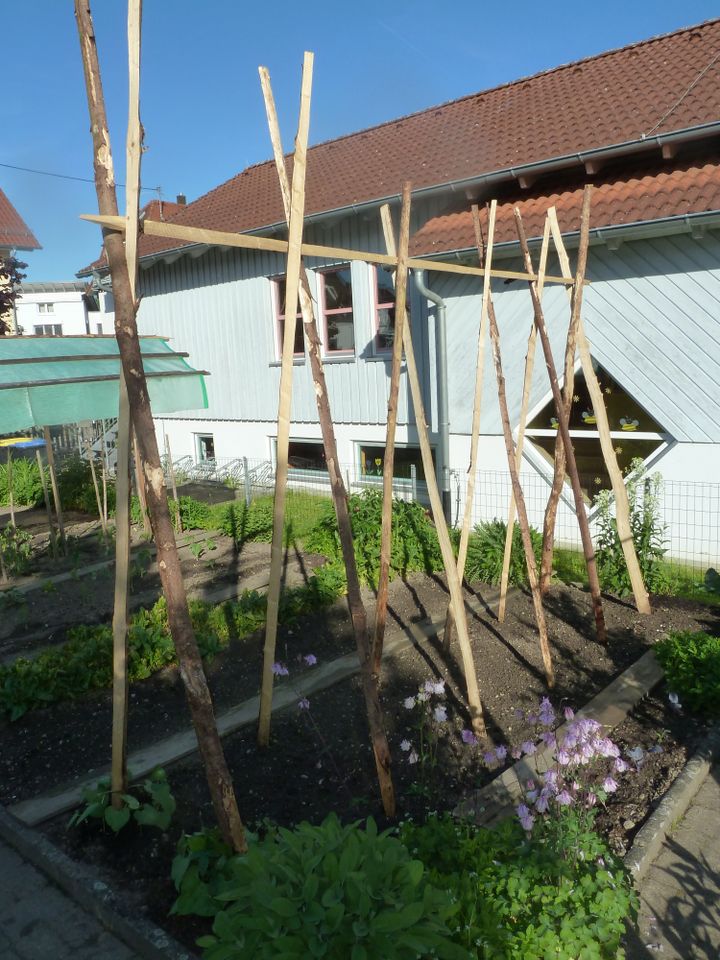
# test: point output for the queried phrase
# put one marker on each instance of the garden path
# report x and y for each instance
(38, 921)
(680, 895)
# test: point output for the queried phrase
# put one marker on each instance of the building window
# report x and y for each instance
(46, 308)
(279, 297)
(634, 432)
(384, 297)
(372, 460)
(47, 329)
(306, 455)
(205, 447)
(99, 329)
(337, 310)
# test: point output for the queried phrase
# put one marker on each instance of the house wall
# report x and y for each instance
(68, 310)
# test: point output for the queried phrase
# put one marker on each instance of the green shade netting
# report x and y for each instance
(37, 391)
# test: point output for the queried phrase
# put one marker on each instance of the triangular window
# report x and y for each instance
(634, 432)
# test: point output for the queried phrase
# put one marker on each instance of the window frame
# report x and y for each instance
(43, 327)
(401, 483)
(379, 351)
(278, 317)
(199, 437)
(335, 311)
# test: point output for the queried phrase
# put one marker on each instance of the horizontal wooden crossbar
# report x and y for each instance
(221, 238)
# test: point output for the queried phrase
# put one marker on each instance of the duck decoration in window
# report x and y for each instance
(588, 417)
(628, 424)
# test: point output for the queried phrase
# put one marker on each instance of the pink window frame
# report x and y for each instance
(378, 350)
(275, 281)
(334, 312)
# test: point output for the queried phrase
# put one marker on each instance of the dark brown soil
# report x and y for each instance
(320, 759)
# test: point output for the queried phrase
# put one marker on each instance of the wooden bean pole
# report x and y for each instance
(583, 522)
(46, 500)
(50, 454)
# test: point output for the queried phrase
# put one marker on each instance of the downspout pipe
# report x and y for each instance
(443, 411)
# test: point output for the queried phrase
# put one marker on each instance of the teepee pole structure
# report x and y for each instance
(486, 261)
(389, 459)
(292, 285)
(454, 584)
(515, 480)
(519, 443)
(358, 614)
(126, 332)
(562, 417)
(622, 506)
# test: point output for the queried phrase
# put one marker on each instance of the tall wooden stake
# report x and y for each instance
(96, 486)
(173, 483)
(527, 381)
(583, 523)
(46, 498)
(118, 772)
(454, 584)
(11, 492)
(141, 488)
(486, 261)
(358, 613)
(515, 480)
(292, 283)
(392, 415)
(191, 668)
(50, 454)
(622, 506)
(568, 391)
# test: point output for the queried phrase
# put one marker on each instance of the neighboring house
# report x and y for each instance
(641, 123)
(15, 235)
(63, 309)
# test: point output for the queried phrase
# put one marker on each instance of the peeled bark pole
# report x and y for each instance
(292, 284)
(173, 484)
(49, 453)
(454, 584)
(98, 497)
(11, 494)
(517, 489)
(358, 613)
(524, 403)
(389, 461)
(582, 519)
(118, 769)
(622, 507)
(191, 668)
(486, 261)
(141, 488)
(568, 391)
(46, 498)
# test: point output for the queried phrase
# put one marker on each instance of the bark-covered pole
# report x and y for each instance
(392, 416)
(515, 479)
(568, 390)
(191, 668)
(358, 614)
(582, 519)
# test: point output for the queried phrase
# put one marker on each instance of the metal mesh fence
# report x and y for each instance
(688, 512)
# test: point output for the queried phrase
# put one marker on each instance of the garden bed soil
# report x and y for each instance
(320, 759)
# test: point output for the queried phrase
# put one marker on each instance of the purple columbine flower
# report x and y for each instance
(490, 758)
(438, 688)
(516, 753)
(310, 659)
(528, 748)
(526, 818)
(569, 713)
(541, 804)
(469, 738)
(609, 785)
(620, 765)
(409, 703)
(590, 799)
(501, 753)
(413, 757)
(564, 798)
(440, 714)
(563, 758)
(280, 670)
(405, 745)
(304, 704)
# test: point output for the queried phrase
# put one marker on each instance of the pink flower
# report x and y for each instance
(569, 713)
(469, 737)
(609, 785)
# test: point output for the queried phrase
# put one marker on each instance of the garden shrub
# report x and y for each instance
(415, 545)
(76, 489)
(522, 897)
(648, 532)
(691, 662)
(16, 549)
(335, 891)
(26, 483)
(486, 548)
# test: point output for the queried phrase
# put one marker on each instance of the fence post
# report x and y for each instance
(413, 481)
(246, 476)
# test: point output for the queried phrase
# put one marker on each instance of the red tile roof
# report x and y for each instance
(626, 197)
(664, 84)
(14, 232)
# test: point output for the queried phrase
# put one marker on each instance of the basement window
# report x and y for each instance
(634, 432)
(372, 460)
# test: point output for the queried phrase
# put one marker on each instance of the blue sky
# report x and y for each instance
(201, 103)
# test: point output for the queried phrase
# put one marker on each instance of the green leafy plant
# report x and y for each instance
(648, 532)
(26, 483)
(149, 803)
(486, 549)
(691, 662)
(330, 891)
(202, 866)
(415, 545)
(16, 548)
(520, 896)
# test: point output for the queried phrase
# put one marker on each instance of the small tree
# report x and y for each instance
(11, 277)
